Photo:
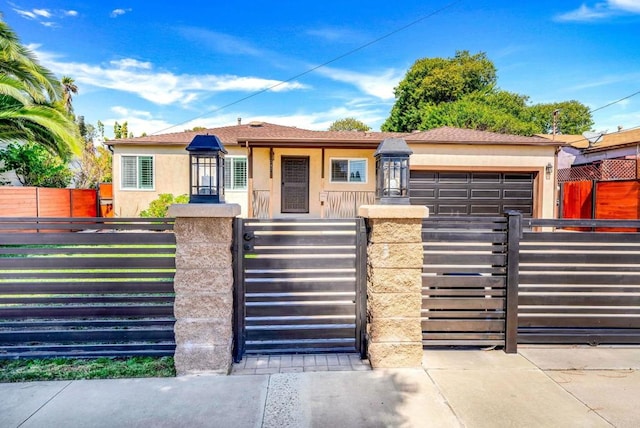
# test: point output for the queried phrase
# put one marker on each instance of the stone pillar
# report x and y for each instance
(204, 287)
(394, 284)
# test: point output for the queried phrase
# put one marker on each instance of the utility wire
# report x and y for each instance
(605, 106)
(324, 64)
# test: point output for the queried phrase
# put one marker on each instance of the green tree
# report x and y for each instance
(93, 167)
(31, 100)
(159, 207)
(124, 130)
(349, 124)
(435, 81)
(69, 87)
(34, 165)
(94, 164)
(100, 126)
(117, 130)
(573, 117)
(461, 92)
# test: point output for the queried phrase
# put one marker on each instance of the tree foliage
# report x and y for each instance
(94, 164)
(31, 100)
(35, 166)
(69, 88)
(159, 207)
(349, 124)
(461, 92)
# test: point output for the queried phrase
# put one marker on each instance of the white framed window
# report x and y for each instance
(136, 173)
(349, 170)
(235, 173)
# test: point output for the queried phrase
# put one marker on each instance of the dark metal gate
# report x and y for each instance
(467, 286)
(299, 286)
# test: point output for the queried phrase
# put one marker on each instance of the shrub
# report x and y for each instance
(158, 207)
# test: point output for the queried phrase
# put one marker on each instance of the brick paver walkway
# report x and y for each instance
(269, 364)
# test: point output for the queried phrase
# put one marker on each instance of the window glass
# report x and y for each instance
(137, 172)
(349, 170)
(235, 173)
(145, 172)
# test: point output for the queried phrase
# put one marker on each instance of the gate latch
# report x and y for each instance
(247, 237)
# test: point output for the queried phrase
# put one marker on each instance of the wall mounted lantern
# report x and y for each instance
(548, 169)
(206, 182)
(392, 172)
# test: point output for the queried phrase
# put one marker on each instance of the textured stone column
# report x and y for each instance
(204, 287)
(394, 284)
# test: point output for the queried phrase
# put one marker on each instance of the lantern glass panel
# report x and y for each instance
(204, 175)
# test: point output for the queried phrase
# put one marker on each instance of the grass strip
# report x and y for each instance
(75, 369)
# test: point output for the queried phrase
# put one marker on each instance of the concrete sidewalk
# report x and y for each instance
(539, 387)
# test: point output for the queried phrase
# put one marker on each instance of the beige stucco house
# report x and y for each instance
(279, 171)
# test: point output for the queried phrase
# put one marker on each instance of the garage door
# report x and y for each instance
(472, 193)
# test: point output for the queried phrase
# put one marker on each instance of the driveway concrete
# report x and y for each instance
(606, 379)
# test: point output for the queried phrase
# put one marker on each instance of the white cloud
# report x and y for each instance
(142, 121)
(607, 80)
(632, 6)
(600, 10)
(220, 42)
(131, 63)
(335, 34)
(159, 87)
(378, 85)
(118, 12)
(25, 14)
(45, 17)
(42, 12)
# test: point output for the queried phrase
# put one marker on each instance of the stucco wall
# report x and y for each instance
(171, 175)
(317, 184)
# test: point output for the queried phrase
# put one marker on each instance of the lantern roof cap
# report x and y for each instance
(206, 143)
(393, 146)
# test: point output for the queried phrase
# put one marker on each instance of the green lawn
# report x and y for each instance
(73, 369)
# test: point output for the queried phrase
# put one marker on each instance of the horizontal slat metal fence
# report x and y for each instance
(297, 285)
(579, 287)
(464, 280)
(86, 287)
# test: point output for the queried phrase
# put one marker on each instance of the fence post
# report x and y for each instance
(395, 256)
(204, 287)
(514, 233)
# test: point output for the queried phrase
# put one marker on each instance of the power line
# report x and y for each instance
(609, 105)
(324, 64)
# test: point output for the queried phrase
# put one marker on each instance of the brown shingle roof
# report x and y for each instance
(266, 133)
(448, 134)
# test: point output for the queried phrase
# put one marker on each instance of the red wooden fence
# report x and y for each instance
(604, 200)
(46, 202)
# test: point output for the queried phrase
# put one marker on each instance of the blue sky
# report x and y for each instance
(169, 66)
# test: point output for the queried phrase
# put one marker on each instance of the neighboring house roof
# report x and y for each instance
(577, 141)
(616, 140)
(609, 141)
(269, 135)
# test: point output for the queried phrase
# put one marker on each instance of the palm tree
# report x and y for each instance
(30, 100)
(68, 87)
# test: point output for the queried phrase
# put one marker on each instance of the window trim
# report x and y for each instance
(228, 161)
(153, 172)
(348, 181)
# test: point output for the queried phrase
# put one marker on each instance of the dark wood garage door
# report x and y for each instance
(472, 193)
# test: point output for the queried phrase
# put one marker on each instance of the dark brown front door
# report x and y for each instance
(295, 184)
